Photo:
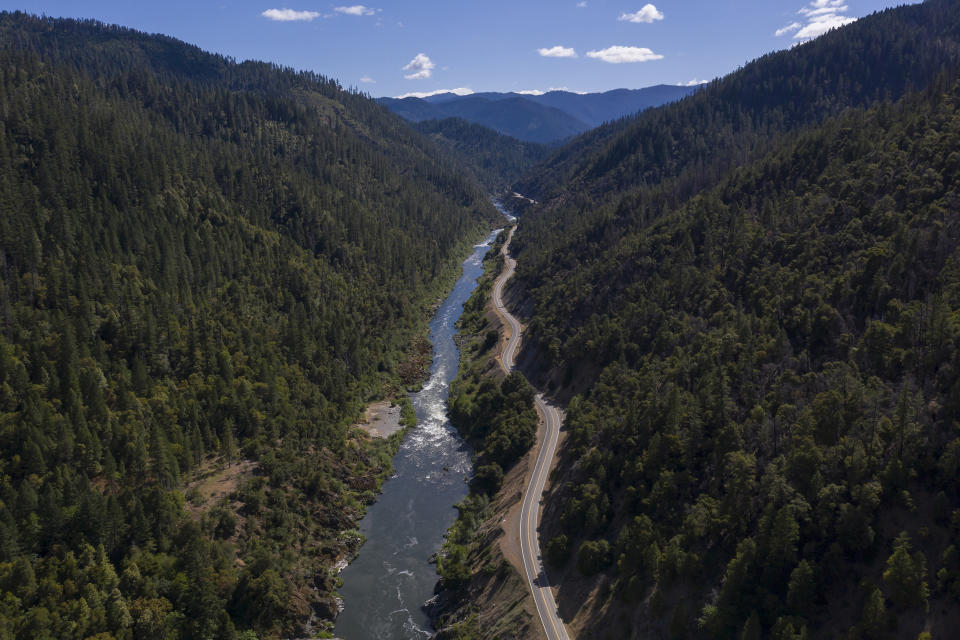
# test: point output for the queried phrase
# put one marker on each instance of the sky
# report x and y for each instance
(412, 47)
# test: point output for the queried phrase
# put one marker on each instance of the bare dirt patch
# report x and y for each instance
(214, 482)
(381, 419)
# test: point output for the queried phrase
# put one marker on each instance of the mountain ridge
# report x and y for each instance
(775, 93)
(545, 118)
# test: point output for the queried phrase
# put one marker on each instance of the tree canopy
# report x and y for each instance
(750, 297)
(207, 268)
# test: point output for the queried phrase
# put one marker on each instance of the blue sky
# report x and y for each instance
(397, 47)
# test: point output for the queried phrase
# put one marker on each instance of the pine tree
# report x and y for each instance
(905, 575)
(874, 621)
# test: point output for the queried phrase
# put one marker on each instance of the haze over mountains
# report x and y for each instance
(549, 117)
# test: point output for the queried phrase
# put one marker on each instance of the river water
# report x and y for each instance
(385, 586)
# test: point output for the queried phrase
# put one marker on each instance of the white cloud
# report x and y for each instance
(367, 80)
(356, 10)
(557, 52)
(821, 25)
(821, 16)
(647, 14)
(787, 29)
(531, 92)
(618, 54)
(821, 7)
(420, 68)
(582, 4)
(692, 83)
(289, 15)
(460, 91)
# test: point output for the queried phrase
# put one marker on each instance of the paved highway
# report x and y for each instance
(530, 510)
(513, 339)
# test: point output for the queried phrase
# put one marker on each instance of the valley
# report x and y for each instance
(706, 385)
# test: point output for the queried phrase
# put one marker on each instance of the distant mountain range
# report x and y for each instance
(544, 118)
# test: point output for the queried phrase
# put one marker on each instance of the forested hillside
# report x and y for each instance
(598, 108)
(776, 411)
(496, 160)
(762, 341)
(513, 116)
(547, 118)
(661, 157)
(207, 268)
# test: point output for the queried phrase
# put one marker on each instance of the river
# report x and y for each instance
(385, 586)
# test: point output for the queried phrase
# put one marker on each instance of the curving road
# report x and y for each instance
(530, 510)
(513, 339)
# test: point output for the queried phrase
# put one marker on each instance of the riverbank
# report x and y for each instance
(385, 418)
(392, 576)
(484, 594)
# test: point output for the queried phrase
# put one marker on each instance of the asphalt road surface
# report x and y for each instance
(530, 510)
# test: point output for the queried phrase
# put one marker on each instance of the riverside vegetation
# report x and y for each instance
(495, 413)
(207, 269)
